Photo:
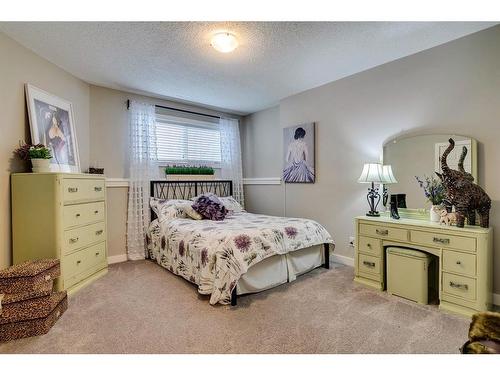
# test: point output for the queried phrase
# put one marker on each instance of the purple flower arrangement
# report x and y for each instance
(433, 189)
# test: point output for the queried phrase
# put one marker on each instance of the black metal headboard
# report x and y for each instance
(188, 189)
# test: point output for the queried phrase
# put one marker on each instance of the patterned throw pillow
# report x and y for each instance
(210, 207)
(231, 204)
(168, 209)
(190, 212)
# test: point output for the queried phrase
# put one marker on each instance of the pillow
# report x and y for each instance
(167, 209)
(231, 204)
(210, 207)
(190, 212)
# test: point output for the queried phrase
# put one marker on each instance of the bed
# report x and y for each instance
(245, 253)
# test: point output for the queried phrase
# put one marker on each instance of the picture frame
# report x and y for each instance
(299, 154)
(52, 124)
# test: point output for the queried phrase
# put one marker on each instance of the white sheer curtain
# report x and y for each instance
(231, 156)
(143, 168)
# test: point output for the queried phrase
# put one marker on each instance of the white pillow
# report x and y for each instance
(231, 204)
(190, 212)
(168, 209)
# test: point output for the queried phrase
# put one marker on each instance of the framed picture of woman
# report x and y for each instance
(298, 147)
(52, 124)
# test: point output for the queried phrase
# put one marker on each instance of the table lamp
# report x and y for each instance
(372, 173)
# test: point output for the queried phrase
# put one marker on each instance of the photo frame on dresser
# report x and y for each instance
(52, 124)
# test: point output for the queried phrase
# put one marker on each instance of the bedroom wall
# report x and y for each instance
(452, 88)
(18, 66)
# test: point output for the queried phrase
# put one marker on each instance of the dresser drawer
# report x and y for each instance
(81, 214)
(459, 262)
(384, 232)
(369, 264)
(459, 286)
(370, 246)
(83, 260)
(76, 189)
(443, 240)
(83, 236)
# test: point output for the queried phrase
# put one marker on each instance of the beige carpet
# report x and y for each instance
(139, 307)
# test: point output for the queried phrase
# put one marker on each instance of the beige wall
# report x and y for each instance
(18, 66)
(453, 88)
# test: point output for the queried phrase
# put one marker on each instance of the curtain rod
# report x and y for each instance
(179, 110)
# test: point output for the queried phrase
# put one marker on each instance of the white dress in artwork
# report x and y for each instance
(297, 169)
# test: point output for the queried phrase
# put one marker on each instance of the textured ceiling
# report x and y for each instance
(274, 59)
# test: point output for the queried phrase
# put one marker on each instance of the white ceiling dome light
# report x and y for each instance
(224, 42)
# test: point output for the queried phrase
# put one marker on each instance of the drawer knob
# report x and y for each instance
(382, 232)
(77, 215)
(99, 232)
(78, 261)
(96, 211)
(443, 241)
(73, 240)
(369, 264)
(459, 262)
(97, 188)
(369, 245)
(72, 189)
(97, 254)
(459, 286)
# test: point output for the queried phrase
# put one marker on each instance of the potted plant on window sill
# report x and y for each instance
(39, 155)
(179, 173)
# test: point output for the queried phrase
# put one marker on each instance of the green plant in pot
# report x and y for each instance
(188, 170)
(39, 155)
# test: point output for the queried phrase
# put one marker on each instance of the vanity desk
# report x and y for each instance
(465, 257)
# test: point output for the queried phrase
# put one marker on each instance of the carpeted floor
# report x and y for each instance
(139, 307)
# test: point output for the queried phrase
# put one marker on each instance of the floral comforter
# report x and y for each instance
(215, 254)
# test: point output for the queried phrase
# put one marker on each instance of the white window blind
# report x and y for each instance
(189, 141)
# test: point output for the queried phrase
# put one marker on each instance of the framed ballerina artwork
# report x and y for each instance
(298, 147)
(52, 124)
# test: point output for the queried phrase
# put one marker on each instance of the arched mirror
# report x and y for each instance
(419, 156)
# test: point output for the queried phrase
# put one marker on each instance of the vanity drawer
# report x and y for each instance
(83, 260)
(459, 286)
(385, 232)
(77, 189)
(370, 246)
(369, 264)
(443, 240)
(81, 214)
(83, 236)
(459, 262)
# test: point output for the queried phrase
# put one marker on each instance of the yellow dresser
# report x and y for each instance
(61, 215)
(465, 257)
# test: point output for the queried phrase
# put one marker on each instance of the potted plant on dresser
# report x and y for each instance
(39, 155)
(179, 173)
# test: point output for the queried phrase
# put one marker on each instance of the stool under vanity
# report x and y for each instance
(464, 255)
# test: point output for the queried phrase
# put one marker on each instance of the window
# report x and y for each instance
(186, 140)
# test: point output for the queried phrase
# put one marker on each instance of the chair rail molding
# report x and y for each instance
(262, 181)
(117, 182)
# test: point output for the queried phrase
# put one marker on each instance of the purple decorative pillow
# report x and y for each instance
(210, 207)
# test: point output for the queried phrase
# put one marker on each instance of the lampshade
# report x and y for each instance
(387, 175)
(372, 172)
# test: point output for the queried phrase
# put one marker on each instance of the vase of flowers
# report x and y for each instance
(434, 192)
(39, 155)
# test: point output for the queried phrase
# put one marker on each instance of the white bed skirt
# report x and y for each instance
(279, 269)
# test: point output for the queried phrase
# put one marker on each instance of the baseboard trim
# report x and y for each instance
(342, 260)
(262, 181)
(117, 258)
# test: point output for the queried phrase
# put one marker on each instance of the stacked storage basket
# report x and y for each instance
(28, 307)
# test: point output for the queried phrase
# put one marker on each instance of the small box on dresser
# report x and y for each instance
(63, 216)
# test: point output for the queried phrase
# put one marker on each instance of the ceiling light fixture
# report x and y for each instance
(224, 42)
